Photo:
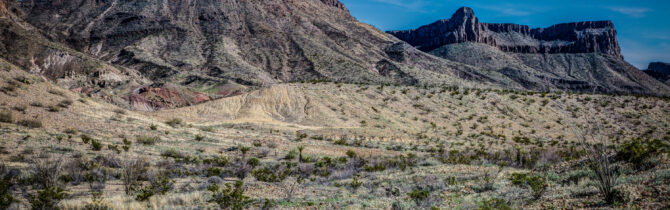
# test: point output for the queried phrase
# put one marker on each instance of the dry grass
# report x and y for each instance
(326, 119)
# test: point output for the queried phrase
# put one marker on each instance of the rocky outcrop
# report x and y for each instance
(578, 37)
(334, 3)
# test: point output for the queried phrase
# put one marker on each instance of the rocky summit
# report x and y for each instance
(580, 56)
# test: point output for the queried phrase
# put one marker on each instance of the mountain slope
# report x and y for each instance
(246, 42)
(582, 56)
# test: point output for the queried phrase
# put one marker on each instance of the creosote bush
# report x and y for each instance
(231, 197)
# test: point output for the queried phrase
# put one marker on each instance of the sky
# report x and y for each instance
(643, 26)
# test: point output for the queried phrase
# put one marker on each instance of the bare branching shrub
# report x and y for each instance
(592, 139)
(132, 169)
(46, 172)
(45, 175)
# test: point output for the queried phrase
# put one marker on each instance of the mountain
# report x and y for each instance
(660, 71)
(581, 56)
(198, 50)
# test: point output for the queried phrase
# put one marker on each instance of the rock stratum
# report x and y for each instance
(580, 56)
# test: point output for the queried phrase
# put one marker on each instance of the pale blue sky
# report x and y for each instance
(643, 25)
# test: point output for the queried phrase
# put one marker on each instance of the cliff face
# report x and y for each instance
(579, 37)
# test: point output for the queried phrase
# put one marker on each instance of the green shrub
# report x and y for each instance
(269, 174)
(86, 139)
(291, 155)
(6, 117)
(30, 123)
(253, 162)
(97, 146)
(214, 171)
(6, 199)
(355, 183)
(47, 198)
(217, 161)
(536, 183)
(232, 197)
(419, 195)
(148, 140)
(637, 151)
(159, 185)
(351, 154)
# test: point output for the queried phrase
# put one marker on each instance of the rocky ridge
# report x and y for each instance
(464, 26)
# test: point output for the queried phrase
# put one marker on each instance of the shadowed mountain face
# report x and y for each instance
(582, 56)
(660, 71)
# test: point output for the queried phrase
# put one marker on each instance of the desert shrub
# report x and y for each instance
(232, 197)
(6, 117)
(47, 198)
(65, 103)
(291, 155)
(30, 123)
(173, 153)
(148, 140)
(174, 122)
(214, 171)
(6, 199)
(494, 204)
(53, 108)
(86, 139)
(355, 183)
(351, 154)
(207, 129)
(96, 145)
(158, 185)
(131, 170)
(270, 173)
(253, 162)
(46, 174)
(637, 151)
(536, 183)
(217, 161)
(114, 148)
(419, 195)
